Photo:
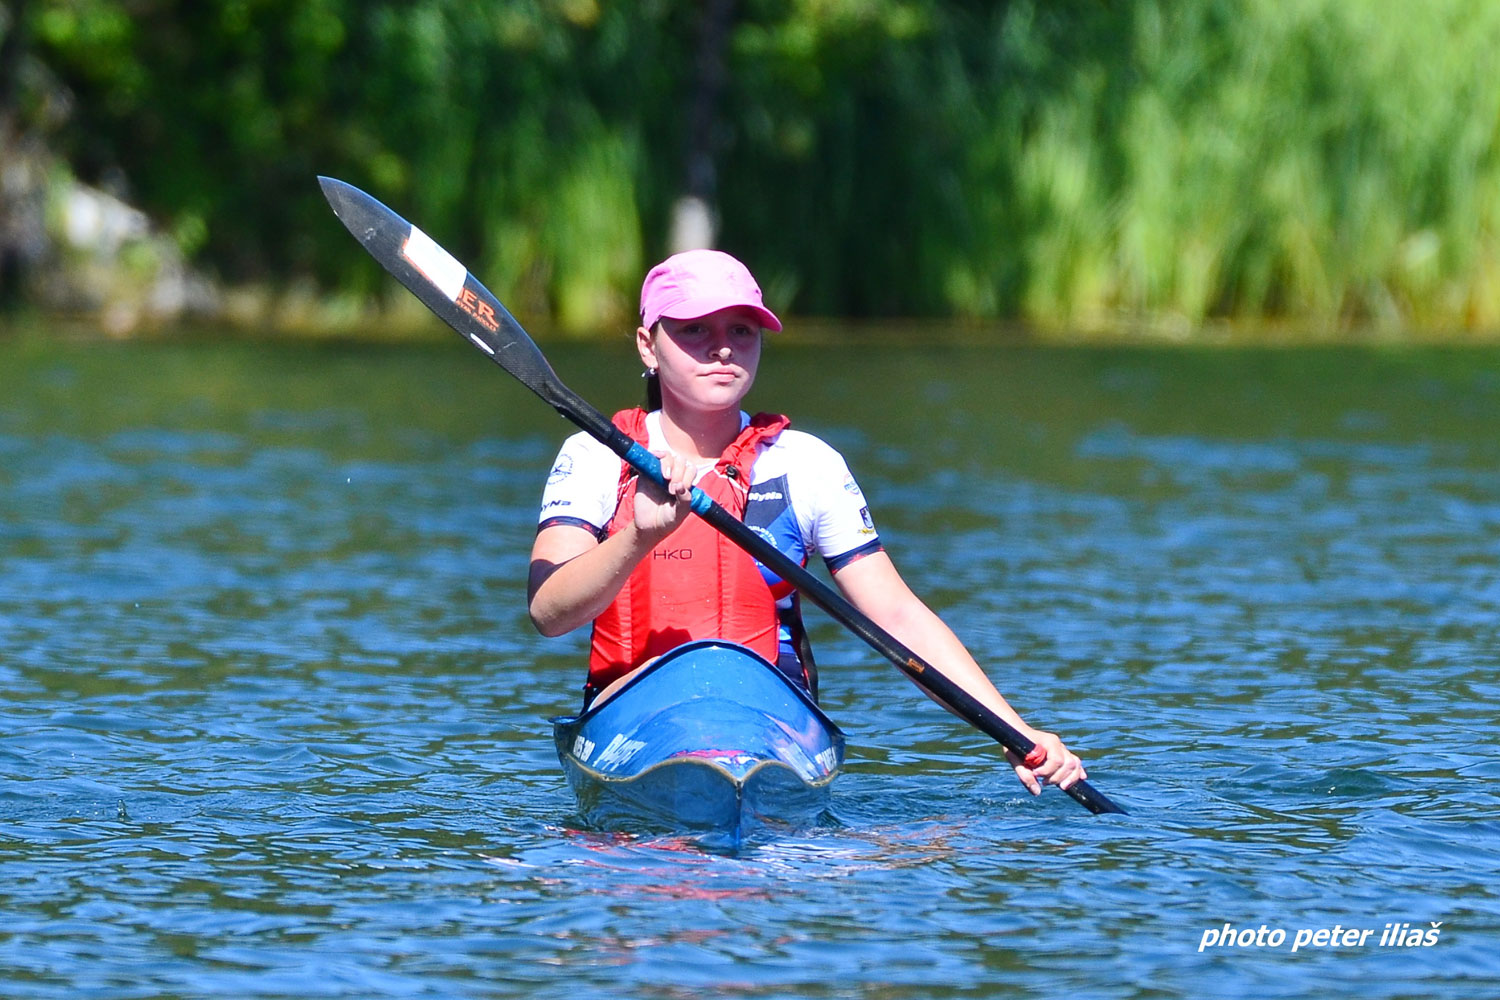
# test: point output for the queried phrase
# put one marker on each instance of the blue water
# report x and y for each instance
(273, 723)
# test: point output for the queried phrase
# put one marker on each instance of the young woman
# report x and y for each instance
(649, 575)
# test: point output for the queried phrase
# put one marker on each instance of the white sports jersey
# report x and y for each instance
(802, 496)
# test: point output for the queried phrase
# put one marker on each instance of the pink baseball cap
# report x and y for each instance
(698, 282)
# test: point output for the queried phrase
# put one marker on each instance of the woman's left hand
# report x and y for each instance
(1061, 768)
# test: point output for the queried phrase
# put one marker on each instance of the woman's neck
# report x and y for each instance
(699, 437)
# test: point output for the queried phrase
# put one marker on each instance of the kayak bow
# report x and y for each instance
(709, 736)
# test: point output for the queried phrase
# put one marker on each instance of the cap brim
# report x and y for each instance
(693, 308)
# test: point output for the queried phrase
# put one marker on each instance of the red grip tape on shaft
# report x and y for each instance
(1037, 757)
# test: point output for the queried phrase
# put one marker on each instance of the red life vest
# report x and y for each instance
(696, 584)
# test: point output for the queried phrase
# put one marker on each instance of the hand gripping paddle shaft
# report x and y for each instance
(447, 288)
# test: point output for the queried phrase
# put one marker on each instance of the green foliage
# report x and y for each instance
(1319, 161)
(1066, 162)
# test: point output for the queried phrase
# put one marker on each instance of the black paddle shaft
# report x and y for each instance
(447, 288)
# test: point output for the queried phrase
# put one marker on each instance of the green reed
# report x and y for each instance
(1315, 161)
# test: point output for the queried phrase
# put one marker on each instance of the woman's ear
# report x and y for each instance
(645, 344)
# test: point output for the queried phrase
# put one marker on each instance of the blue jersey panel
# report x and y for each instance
(768, 513)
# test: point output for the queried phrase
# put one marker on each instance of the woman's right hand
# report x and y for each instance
(658, 512)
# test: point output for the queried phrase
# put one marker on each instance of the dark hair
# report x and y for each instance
(653, 381)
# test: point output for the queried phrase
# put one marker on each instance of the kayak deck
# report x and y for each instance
(708, 737)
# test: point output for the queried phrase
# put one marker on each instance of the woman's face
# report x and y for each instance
(705, 364)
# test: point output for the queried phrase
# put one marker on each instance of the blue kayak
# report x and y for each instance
(708, 737)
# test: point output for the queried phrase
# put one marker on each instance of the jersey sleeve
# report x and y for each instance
(838, 522)
(582, 486)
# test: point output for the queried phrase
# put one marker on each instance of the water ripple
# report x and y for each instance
(275, 722)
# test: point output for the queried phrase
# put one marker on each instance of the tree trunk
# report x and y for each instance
(695, 214)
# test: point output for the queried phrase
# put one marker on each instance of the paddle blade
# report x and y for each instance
(447, 288)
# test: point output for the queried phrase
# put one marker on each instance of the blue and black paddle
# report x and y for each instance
(447, 288)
